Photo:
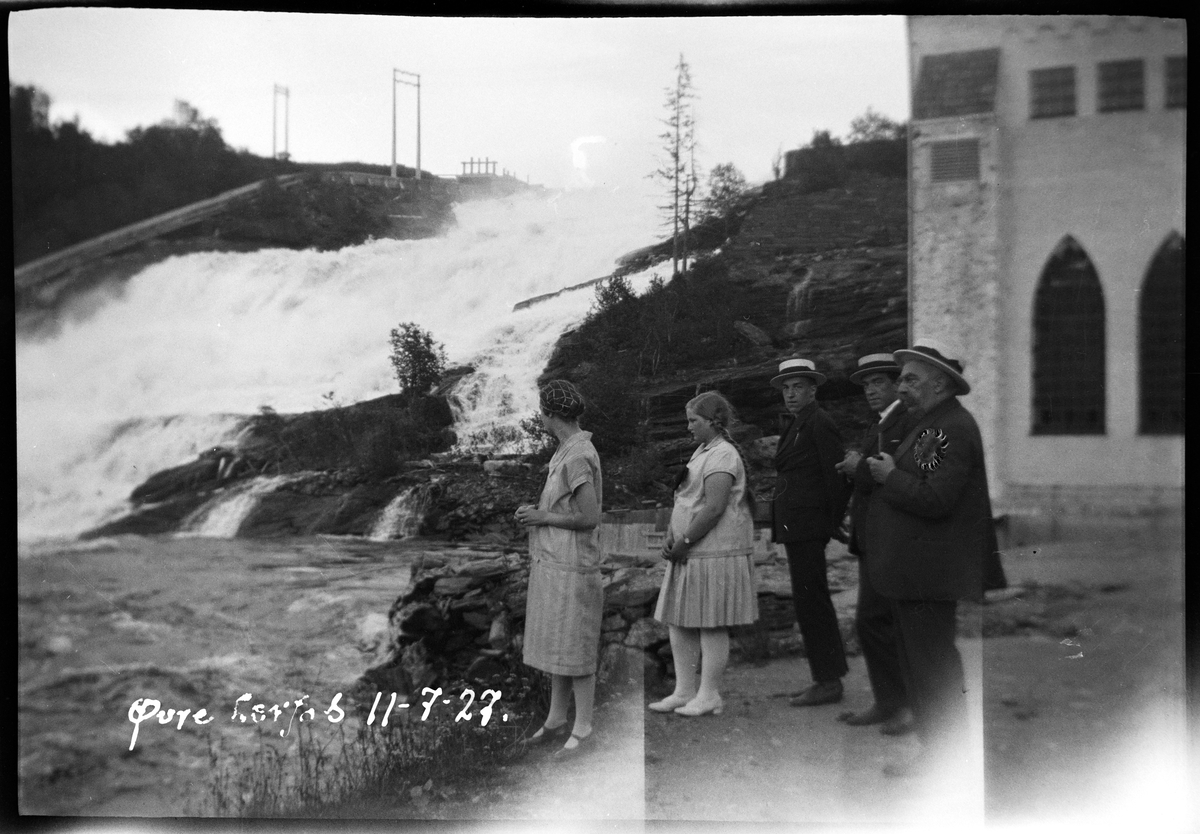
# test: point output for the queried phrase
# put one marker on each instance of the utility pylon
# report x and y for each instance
(279, 90)
(397, 80)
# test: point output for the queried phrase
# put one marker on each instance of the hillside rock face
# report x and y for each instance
(826, 277)
(867, 211)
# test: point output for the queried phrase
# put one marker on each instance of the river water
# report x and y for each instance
(143, 375)
(192, 623)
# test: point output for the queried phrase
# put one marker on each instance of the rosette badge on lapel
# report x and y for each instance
(930, 448)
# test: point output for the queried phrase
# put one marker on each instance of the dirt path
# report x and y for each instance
(1079, 712)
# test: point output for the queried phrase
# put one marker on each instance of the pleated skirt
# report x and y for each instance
(563, 612)
(709, 592)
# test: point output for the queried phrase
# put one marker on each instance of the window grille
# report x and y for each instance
(1177, 81)
(1160, 318)
(1068, 345)
(1122, 86)
(957, 159)
(1052, 92)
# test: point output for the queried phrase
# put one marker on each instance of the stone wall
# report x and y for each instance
(955, 283)
(462, 618)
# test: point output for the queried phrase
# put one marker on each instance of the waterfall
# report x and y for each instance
(401, 518)
(221, 517)
(141, 375)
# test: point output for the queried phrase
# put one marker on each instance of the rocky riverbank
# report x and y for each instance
(464, 620)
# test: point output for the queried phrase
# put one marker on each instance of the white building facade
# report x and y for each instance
(1046, 208)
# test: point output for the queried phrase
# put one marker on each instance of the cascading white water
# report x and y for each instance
(145, 375)
(221, 517)
(401, 518)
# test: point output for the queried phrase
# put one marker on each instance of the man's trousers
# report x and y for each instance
(814, 610)
(933, 672)
(876, 627)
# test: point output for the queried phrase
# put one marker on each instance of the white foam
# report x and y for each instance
(160, 369)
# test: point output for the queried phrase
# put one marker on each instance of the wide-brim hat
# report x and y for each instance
(938, 355)
(875, 363)
(794, 367)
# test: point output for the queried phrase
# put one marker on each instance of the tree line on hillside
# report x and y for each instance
(68, 187)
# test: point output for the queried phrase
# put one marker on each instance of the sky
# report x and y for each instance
(561, 102)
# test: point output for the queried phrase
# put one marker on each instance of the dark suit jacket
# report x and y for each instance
(893, 430)
(929, 525)
(810, 495)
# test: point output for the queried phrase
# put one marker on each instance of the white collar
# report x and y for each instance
(883, 415)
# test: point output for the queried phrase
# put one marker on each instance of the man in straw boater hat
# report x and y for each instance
(930, 535)
(877, 374)
(810, 499)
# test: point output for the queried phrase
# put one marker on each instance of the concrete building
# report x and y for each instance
(1046, 213)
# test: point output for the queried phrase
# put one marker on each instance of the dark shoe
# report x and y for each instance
(902, 723)
(873, 715)
(582, 745)
(825, 692)
(546, 734)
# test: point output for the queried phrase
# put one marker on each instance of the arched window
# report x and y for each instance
(1160, 341)
(1068, 345)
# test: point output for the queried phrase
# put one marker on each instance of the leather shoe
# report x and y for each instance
(546, 734)
(824, 692)
(872, 715)
(582, 745)
(902, 723)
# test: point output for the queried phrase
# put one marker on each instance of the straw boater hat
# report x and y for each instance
(936, 354)
(875, 363)
(794, 367)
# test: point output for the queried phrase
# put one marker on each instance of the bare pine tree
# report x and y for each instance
(678, 165)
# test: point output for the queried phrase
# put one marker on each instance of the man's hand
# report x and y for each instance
(881, 466)
(849, 463)
(841, 532)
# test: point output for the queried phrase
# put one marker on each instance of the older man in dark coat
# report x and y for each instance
(930, 531)
(810, 500)
(873, 620)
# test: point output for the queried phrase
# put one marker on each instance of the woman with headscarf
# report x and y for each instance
(566, 595)
(709, 585)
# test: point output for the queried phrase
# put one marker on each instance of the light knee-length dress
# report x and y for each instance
(565, 604)
(715, 587)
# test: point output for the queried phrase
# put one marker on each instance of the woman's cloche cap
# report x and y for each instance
(874, 363)
(938, 355)
(794, 367)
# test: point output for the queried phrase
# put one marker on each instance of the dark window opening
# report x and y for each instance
(1176, 81)
(956, 84)
(1052, 92)
(1122, 86)
(1160, 342)
(957, 159)
(1068, 345)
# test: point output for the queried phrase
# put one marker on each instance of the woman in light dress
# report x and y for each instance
(709, 585)
(565, 602)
